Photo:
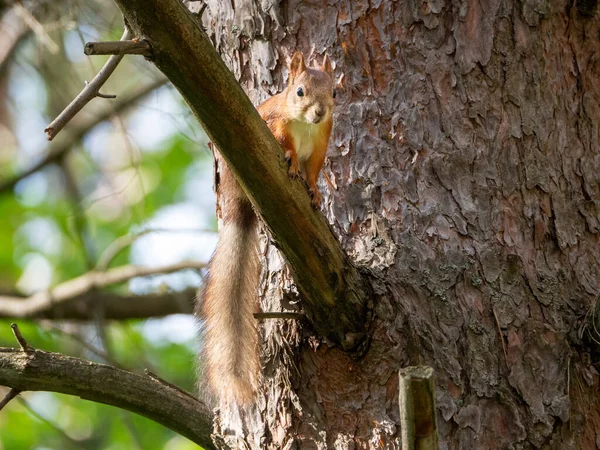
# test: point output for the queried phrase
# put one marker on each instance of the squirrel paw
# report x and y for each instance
(316, 197)
(294, 171)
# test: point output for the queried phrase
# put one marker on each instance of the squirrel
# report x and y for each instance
(301, 119)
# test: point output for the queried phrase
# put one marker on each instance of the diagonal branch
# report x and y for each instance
(334, 293)
(42, 371)
(61, 146)
(91, 90)
(43, 302)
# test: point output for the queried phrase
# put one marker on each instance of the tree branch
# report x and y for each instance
(90, 91)
(115, 306)
(42, 371)
(334, 294)
(79, 129)
(51, 303)
(133, 47)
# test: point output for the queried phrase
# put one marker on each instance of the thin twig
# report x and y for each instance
(8, 397)
(20, 339)
(279, 315)
(90, 91)
(501, 337)
(122, 47)
(78, 131)
(99, 95)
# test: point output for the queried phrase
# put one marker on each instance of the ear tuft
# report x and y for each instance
(297, 65)
(326, 67)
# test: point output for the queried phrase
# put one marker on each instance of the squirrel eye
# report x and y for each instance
(334, 93)
(300, 92)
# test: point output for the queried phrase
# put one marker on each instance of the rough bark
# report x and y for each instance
(465, 176)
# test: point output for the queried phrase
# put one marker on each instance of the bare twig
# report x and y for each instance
(122, 47)
(67, 291)
(90, 91)
(99, 95)
(45, 371)
(279, 315)
(8, 397)
(20, 339)
(79, 130)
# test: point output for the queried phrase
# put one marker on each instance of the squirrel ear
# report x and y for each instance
(326, 67)
(297, 65)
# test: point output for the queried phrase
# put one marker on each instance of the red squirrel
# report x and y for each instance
(300, 118)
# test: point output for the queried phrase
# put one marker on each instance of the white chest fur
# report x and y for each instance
(303, 135)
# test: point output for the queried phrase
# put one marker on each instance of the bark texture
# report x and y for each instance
(464, 177)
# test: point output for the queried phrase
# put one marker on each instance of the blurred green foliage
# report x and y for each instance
(126, 172)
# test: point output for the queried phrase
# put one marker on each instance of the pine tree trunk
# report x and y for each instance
(464, 175)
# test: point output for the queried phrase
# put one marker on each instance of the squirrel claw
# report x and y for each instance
(316, 198)
(294, 170)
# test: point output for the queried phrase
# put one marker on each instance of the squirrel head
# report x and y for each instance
(310, 91)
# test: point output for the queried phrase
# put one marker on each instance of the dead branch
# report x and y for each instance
(62, 145)
(133, 47)
(37, 370)
(334, 293)
(418, 416)
(41, 303)
(91, 90)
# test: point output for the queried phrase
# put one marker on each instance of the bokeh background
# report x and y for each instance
(142, 170)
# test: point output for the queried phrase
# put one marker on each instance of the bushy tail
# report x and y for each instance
(231, 359)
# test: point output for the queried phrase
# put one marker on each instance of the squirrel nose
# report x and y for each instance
(320, 112)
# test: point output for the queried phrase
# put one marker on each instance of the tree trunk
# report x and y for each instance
(464, 176)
